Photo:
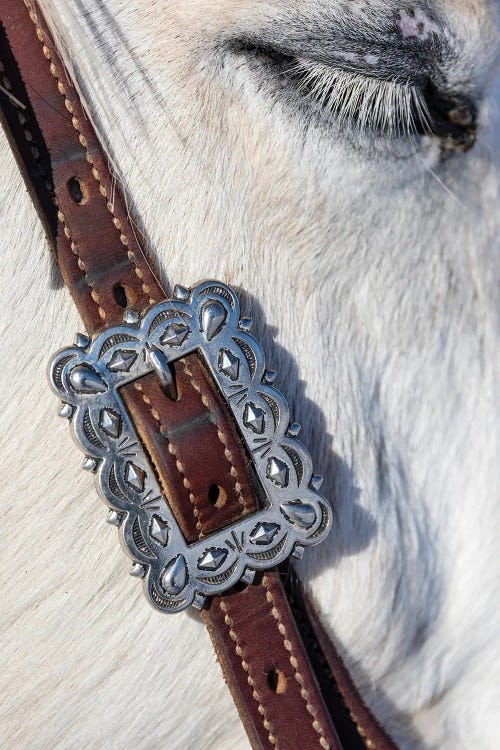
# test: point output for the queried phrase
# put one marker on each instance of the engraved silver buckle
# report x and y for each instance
(88, 376)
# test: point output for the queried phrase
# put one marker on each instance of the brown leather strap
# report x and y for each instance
(192, 443)
(267, 669)
(101, 261)
(199, 458)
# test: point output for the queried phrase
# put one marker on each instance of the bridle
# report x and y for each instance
(191, 443)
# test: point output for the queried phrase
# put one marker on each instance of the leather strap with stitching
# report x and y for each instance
(211, 486)
(266, 642)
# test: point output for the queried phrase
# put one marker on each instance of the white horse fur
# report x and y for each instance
(368, 260)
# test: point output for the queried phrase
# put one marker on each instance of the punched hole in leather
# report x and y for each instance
(78, 191)
(277, 681)
(120, 295)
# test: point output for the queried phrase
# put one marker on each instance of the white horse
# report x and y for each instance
(267, 144)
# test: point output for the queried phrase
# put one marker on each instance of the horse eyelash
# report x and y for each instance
(368, 103)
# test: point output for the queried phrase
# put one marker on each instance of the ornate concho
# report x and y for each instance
(88, 377)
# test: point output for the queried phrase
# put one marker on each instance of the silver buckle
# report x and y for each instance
(88, 376)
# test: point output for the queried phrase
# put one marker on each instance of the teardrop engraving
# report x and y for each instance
(212, 318)
(85, 380)
(174, 577)
(302, 514)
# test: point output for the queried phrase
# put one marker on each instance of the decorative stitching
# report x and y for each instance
(246, 668)
(293, 661)
(227, 453)
(81, 265)
(173, 452)
(83, 142)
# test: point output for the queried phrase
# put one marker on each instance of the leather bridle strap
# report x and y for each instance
(266, 641)
(97, 252)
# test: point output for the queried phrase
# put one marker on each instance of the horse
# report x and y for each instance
(337, 162)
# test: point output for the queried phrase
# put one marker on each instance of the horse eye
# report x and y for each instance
(363, 96)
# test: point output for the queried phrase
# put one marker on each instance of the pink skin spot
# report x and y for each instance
(417, 25)
(350, 56)
(354, 57)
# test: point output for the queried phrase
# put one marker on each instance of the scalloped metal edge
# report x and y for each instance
(87, 377)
